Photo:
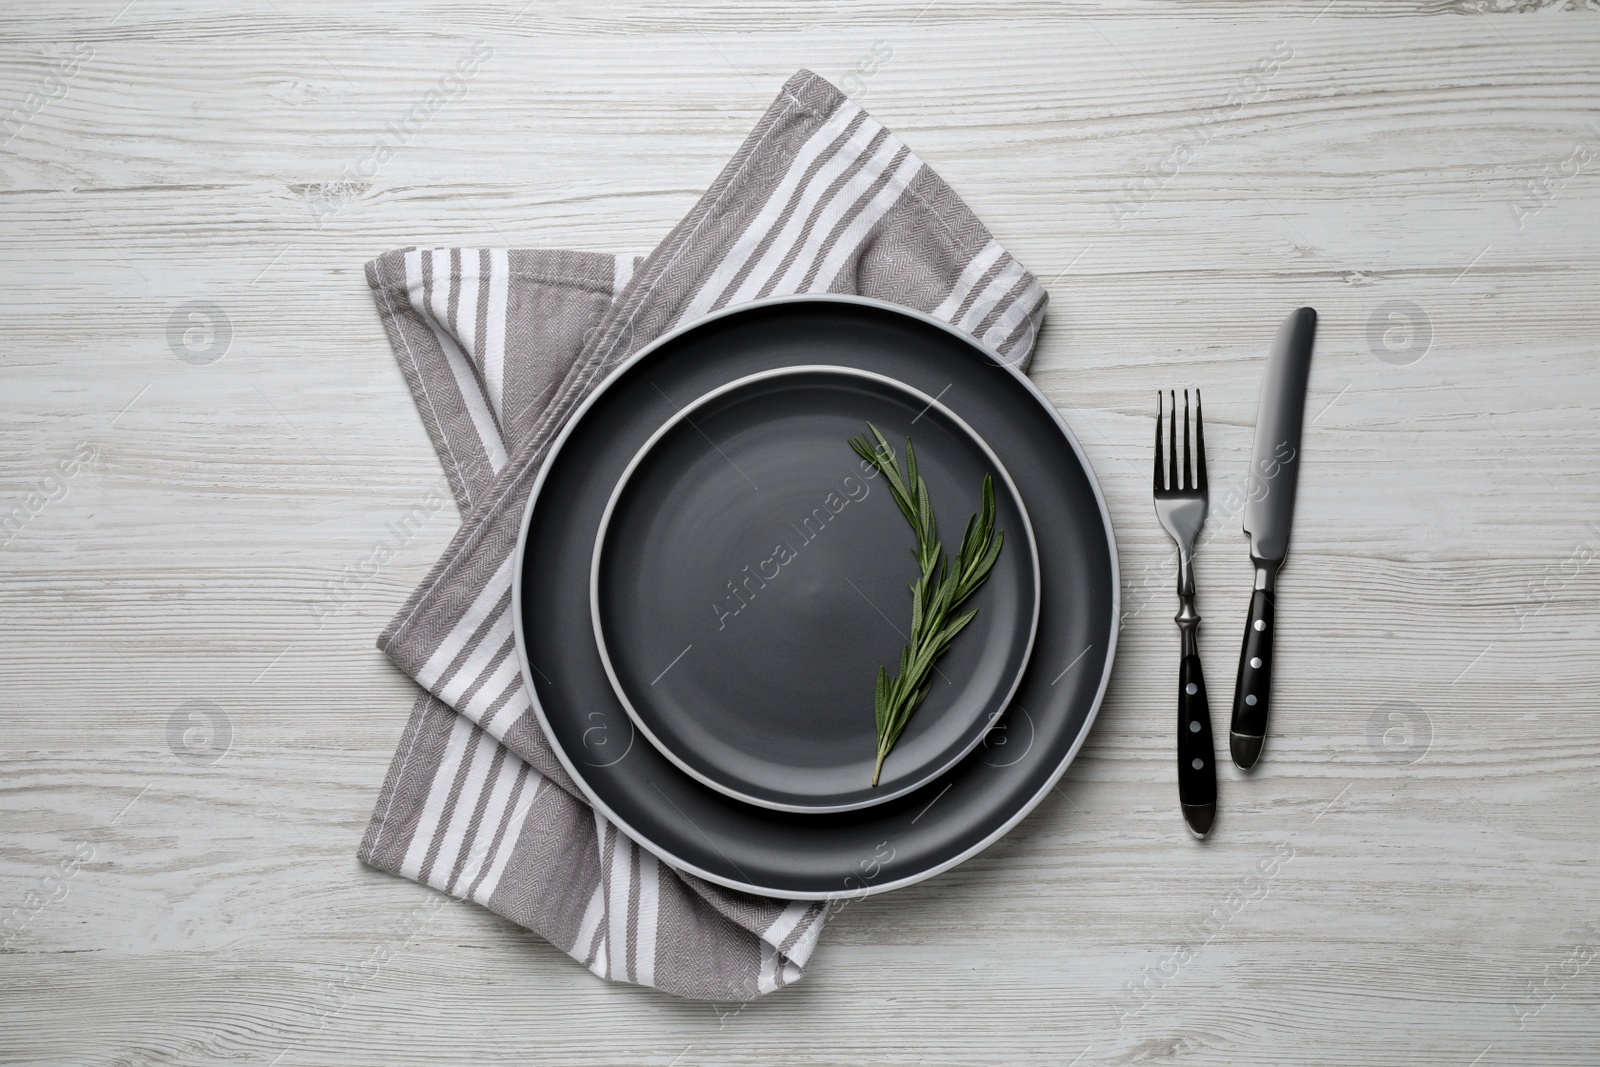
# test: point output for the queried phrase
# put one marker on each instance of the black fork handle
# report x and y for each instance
(1197, 772)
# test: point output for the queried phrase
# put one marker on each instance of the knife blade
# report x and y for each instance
(1268, 515)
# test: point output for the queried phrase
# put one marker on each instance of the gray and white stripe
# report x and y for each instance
(434, 287)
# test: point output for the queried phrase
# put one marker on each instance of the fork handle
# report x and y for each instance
(1197, 773)
(1252, 693)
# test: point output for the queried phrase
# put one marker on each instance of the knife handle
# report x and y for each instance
(1197, 772)
(1252, 693)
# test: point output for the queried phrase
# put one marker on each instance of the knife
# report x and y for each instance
(1274, 468)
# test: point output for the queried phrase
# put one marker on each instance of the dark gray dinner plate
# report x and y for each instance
(702, 831)
(751, 575)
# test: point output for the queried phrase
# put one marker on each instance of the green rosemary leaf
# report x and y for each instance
(969, 545)
(880, 703)
(981, 567)
(938, 591)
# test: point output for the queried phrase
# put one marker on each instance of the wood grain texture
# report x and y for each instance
(1430, 902)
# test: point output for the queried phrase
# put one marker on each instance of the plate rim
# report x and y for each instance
(1024, 809)
(681, 414)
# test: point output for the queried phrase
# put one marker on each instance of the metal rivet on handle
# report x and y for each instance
(1250, 699)
(1197, 764)
(1191, 689)
(1261, 624)
(1255, 661)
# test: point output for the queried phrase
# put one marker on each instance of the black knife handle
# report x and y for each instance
(1252, 693)
(1197, 772)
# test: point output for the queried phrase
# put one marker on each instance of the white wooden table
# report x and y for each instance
(179, 815)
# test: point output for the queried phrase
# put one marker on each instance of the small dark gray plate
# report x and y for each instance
(750, 578)
(702, 831)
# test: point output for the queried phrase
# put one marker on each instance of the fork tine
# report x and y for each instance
(1160, 485)
(1199, 444)
(1188, 467)
(1172, 444)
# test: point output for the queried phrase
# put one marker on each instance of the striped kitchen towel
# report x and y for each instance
(499, 347)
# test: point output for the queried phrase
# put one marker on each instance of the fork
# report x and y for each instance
(1181, 505)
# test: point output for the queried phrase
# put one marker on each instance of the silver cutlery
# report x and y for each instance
(1181, 505)
(1268, 514)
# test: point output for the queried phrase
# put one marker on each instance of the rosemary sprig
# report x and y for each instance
(936, 594)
